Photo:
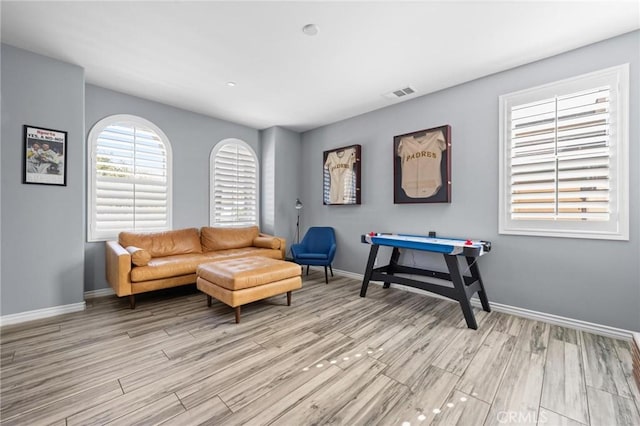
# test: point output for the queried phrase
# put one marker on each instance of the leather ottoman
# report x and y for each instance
(237, 282)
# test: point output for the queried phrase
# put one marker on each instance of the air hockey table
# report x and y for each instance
(464, 286)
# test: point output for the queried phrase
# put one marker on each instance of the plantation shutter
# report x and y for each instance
(560, 158)
(131, 181)
(235, 186)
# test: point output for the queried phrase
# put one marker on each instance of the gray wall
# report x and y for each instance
(287, 183)
(280, 182)
(288, 186)
(268, 181)
(192, 138)
(591, 280)
(42, 225)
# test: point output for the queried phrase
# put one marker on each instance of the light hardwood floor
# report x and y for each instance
(391, 358)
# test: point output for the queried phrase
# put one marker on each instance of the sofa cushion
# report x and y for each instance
(242, 252)
(160, 244)
(167, 267)
(184, 264)
(139, 257)
(218, 238)
(266, 242)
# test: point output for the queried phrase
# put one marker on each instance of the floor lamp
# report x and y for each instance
(298, 208)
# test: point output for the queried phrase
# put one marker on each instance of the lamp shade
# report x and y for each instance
(298, 204)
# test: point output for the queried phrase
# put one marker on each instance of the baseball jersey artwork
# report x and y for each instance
(340, 164)
(420, 163)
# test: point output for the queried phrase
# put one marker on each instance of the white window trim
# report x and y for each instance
(96, 130)
(212, 177)
(619, 73)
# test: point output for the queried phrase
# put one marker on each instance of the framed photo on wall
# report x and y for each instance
(341, 175)
(45, 156)
(422, 166)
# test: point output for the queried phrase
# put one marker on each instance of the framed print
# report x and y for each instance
(341, 176)
(45, 156)
(422, 166)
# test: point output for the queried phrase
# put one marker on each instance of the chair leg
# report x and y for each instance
(331, 269)
(132, 301)
(237, 312)
(326, 277)
(307, 269)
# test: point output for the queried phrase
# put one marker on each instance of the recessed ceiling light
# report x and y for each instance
(310, 29)
(231, 83)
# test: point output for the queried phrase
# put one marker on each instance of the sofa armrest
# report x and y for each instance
(283, 243)
(118, 268)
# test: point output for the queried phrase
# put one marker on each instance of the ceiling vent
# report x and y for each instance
(400, 93)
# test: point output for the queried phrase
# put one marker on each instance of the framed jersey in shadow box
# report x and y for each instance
(341, 176)
(422, 166)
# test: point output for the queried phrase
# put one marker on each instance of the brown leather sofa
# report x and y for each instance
(141, 262)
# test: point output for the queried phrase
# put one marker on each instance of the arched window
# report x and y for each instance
(129, 177)
(234, 184)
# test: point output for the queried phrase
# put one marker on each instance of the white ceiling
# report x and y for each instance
(184, 53)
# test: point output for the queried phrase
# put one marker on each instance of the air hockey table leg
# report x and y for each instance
(395, 255)
(458, 284)
(373, 253)
(475, 273)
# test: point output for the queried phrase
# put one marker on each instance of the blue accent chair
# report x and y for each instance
(318, 247)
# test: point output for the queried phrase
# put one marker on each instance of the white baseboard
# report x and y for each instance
(603, 330)
(40, 313)
(92, 294)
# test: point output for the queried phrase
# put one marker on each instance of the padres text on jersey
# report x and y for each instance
(420, 163)
(340, 167)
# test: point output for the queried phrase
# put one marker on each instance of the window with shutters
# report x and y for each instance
(234, 184)
(129, 184)
(564, 158)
